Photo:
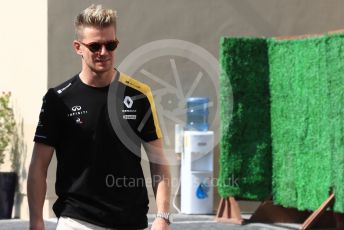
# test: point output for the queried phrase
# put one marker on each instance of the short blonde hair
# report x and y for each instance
(94, 16)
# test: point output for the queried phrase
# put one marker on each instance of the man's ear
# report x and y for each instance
(77, 47)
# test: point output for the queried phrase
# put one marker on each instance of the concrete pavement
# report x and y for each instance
(184, 222)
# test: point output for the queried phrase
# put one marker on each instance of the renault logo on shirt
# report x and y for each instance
(128, 102)
(128, 112)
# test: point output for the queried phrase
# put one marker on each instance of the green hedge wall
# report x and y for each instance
(306, 82)
(300, 134)
(245, 159)
(335, 72)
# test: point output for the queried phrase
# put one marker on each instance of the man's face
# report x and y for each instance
(100, 61)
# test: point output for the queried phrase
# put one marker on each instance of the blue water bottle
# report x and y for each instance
(197, 114)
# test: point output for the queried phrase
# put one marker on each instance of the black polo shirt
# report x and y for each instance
(97, 134)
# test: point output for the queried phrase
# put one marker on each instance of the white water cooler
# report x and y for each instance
(197, 173)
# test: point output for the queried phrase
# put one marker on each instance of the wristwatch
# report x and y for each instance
(166, 216)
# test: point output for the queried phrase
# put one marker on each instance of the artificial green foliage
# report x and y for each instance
(306, 79)
(245, 161)
(7, 124)
(335, 104)
(306, 83)
(297, 92)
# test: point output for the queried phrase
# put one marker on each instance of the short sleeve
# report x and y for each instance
(48, 125)
(150, 128)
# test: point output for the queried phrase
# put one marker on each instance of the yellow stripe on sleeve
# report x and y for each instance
(145, 89)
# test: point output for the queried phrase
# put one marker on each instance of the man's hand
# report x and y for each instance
(159, 224)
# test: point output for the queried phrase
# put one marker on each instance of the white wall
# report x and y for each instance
(23, 61)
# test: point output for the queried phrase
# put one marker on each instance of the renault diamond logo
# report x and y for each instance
(128, 102)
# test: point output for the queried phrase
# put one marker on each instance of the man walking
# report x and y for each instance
(96, 122)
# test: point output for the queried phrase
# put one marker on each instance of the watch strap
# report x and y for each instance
(165, 216)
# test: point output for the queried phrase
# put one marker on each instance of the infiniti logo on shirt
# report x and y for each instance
(77, 110)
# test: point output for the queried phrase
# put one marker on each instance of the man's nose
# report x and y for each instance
(103, 50)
